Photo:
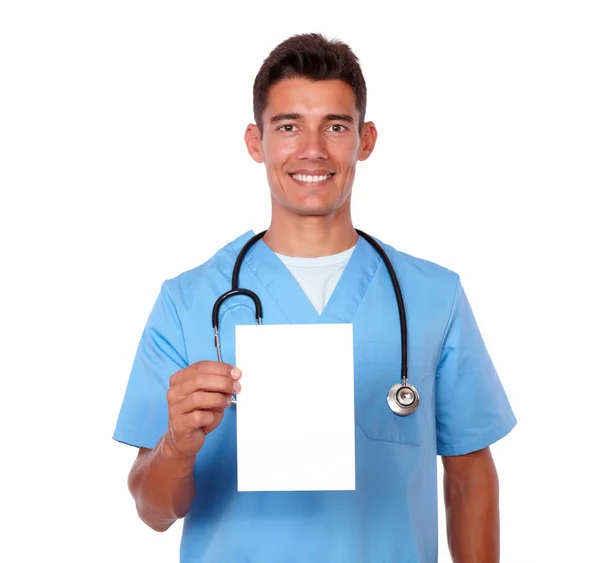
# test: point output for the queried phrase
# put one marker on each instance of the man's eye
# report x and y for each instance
(337, 128)
(287, 128)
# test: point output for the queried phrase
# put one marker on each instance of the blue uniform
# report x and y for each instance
(392, 515)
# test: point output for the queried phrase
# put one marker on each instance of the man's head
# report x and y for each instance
(314, 57)
(309, 108)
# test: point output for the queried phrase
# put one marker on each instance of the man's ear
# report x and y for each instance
(253, 143)
(368, 138)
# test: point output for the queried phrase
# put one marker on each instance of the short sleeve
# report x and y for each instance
(143, 417)
(472, 408)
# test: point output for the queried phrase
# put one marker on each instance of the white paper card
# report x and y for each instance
(295, 413)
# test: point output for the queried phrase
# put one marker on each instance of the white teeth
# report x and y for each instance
(305, 178)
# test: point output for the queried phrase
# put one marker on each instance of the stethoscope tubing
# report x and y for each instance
(395, 403)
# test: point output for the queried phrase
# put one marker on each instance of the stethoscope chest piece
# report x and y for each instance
(403, 399)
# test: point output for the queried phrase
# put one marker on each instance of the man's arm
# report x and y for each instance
(161, 482)
(472, 512)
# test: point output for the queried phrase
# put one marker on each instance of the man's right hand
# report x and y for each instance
(197, 398)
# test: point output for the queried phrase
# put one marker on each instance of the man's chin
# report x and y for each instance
(309, 206)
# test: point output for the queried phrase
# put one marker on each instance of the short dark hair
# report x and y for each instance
(311, 56)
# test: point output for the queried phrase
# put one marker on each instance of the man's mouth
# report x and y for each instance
(312, 179)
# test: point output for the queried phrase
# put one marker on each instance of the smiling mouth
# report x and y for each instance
(311, 180)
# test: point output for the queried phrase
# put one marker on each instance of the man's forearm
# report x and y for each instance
(472, 513)
(161, 482)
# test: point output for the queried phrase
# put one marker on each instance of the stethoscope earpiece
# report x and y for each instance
(403, 399)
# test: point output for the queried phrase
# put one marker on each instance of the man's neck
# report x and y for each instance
(309, 237)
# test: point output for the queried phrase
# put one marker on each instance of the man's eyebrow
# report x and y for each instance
(285, 117)
(328, 117)
(339, 117)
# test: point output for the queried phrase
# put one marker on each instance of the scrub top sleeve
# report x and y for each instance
(472, 408)
(143, 417)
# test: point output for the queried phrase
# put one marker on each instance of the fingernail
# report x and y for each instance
(229, 401)
(236, 373)
(237, 387)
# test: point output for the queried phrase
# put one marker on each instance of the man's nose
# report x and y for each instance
(312, 146)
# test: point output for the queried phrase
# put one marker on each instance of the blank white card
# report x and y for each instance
(295, 413)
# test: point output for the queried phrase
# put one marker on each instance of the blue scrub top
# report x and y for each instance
(392, 515)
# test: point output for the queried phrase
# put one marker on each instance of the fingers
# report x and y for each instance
(209, 376)
(203, 367)
(203, 400)
(198, 395)
(197, 398)
(192, 421)
(203, 382)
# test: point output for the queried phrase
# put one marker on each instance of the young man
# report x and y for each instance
(311, 267)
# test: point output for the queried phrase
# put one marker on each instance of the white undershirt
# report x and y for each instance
(318, 276)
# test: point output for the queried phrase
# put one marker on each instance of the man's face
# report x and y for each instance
(310, 145)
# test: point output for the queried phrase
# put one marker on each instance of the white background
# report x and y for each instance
(122, 163)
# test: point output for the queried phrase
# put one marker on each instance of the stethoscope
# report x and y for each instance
(402, 398)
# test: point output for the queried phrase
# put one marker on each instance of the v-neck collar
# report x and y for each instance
(281, 285)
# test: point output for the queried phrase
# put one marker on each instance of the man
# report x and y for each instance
(311, 267)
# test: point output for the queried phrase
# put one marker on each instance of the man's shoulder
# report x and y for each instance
(220, 264)
(421, 267)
